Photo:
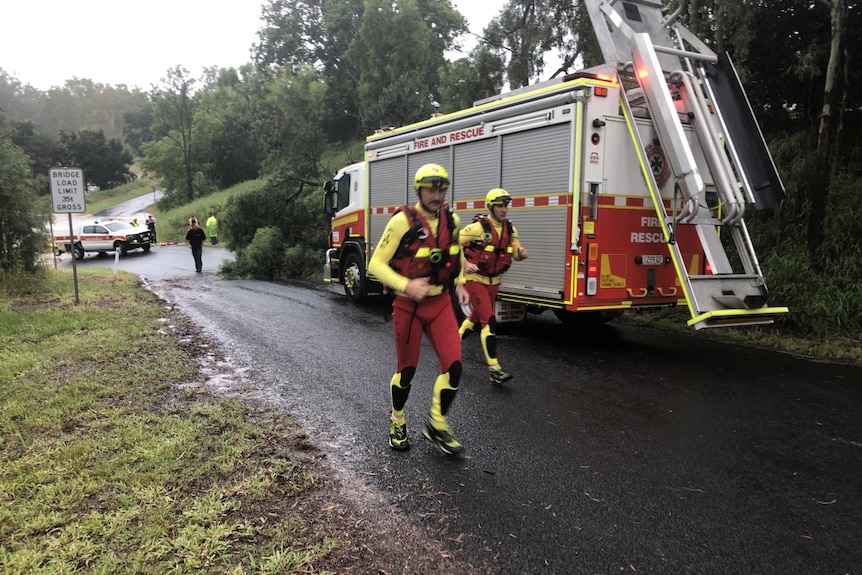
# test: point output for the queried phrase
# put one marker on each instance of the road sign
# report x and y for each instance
(67, 190)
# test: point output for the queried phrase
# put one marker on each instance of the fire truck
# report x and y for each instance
(630, 181)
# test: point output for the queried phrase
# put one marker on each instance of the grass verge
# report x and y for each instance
(838, 348)
(113, 457)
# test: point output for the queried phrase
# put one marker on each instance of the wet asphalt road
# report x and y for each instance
(614, 450)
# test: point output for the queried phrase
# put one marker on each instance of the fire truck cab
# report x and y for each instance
(629, 181)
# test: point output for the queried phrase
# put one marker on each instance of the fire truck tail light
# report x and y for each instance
(591, 283)
(600, 91)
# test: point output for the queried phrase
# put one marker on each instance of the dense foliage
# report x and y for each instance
(22, 222)
(325, 73)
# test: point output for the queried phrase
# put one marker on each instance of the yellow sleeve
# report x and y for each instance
(462, 277)
(379, 267)
(516, 244)
(472, 232)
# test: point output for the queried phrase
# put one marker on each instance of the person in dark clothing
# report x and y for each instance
(196, 238)
(151, 225)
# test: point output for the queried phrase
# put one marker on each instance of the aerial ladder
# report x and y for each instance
(664, 69)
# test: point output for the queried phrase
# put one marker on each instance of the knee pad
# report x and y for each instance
(399, 387)
(406, 376)
(492, 323)
(454, 372)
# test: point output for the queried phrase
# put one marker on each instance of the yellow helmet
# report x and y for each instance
(431, 176)
(497, 197)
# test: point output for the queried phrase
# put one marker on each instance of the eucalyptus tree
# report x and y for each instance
(829, 131)
(297, 105)
(137, 126)
(230, 119)
(399, 51)
(340, 29)
(281, 223)
(291, 35)
(381, 59)
(466, 80)
(526, 30)
(173, 113)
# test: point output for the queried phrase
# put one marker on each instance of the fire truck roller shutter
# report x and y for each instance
(477, 169)
(537, 163)
(389, 185)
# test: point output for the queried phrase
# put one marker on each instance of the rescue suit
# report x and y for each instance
(492, 245)
(415, 244)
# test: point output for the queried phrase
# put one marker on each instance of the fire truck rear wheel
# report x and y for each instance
(353, 277)
(78, 252)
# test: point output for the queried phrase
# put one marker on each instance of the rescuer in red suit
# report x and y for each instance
(490, 244)
(419, 258)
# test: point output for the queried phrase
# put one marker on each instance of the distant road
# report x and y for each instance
(134, 207)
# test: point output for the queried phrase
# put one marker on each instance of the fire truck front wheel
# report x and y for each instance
(353, 277)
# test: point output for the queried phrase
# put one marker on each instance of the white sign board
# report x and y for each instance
(67, 190)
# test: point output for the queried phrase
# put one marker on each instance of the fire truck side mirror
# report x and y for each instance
(330, 198)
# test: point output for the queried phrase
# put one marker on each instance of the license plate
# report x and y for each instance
(652, 260)
(507, 311)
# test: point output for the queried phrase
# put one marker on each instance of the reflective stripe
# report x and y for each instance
(490, 248)
(487, 280)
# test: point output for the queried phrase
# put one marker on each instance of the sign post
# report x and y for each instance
(67, 197)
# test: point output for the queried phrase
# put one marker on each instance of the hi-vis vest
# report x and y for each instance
(422, 255)
(493, 253)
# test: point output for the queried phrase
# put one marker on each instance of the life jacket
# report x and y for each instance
(492, 253)
(420, 254)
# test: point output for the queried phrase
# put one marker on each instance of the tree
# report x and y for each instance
(78, 105)
(104, 163)
(173, 110)
(291, 34)
(399, 52)
(22, 221)
(525, 30)
(825, 144)
(297, 105)
(339, 73)
(466, 80)
(137, 127)
(43, 152)
(231, 122)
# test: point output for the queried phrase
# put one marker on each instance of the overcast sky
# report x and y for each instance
(45, 42)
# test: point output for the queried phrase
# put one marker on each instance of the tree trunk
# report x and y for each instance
(818, 189)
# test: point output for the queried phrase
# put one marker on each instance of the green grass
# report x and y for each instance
(111, 463)
(171, 225)
(838, 348)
